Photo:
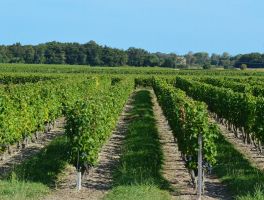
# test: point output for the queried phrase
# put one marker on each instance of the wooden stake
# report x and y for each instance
(200, 168)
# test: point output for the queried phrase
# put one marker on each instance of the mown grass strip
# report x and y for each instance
(138, 175)
(21, 190)
(243, 180)
(136, 192)
(34, 177)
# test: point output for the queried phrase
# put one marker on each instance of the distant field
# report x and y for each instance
(77, 69)
(256, 69)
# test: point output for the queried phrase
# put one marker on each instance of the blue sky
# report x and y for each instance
(179, 26)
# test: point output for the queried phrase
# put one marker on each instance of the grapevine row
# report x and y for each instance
(239, 111)
(12, 78)
(243, 87)
(188, 119)
(91, 121)
(26, 109)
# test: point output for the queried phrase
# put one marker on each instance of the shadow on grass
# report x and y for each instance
(45, 166)
(142, 157)
(235, 170)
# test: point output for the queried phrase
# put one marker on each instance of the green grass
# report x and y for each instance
(134, 192)
(243, 180)
(46, 165)
(34, 177)
(138, 175)
(258, 195)
(20, 190)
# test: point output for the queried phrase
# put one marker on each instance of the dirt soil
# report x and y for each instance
(20, 155)
(99, 179)
(174, 169)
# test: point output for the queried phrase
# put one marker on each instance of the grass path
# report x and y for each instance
(139, 172)
(250, 152)
(244, 180)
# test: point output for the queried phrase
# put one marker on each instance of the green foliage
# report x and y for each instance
(243, 66)
(255, 60)
(94, 54)
(25, 109)
(92, 99)
(242, 85)
(257, 195)
(241, 109)
(89, 53)
(207, 66)
(187, 119)
(91, 121)
(258, 126)
(71, 70)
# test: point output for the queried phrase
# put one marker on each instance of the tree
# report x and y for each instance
(225, 60)
(190, 59)
(93, 53)
(171, 61)
(114, 57)
(72, 53)
(152, 60)
(243, 67)
(54, 53)
(39, 56)
(82, 57)
(226, 63)
(207, 66)
(17, 53)
(254, 60)
(29, 54)
(215, 59)
(136, 57)
(201, 58)
(4, 58)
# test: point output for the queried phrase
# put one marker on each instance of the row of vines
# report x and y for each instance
(240, 112)
(188, 119)
(254, 88)
(91, 121)
(26, 109)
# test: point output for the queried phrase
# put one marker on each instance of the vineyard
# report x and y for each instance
(100, 123)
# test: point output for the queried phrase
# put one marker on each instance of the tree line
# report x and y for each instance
(94, 54)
